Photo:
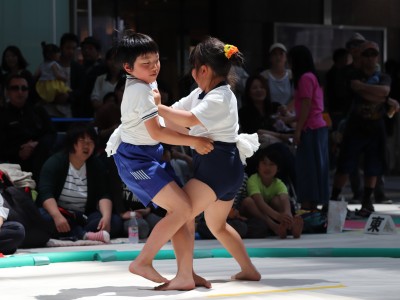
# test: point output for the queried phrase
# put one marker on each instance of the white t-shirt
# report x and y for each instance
(137, 106)
(101, 88)
(280, 89)
(74, 193)
(217, 111)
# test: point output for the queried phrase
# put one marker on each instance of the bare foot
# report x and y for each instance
(146, 271)
(251, 275)
(177, 284)
(200, 281)
(282, 230)
(297, 227)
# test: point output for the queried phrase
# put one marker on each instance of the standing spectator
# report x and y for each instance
(26, 132)
(365, 131)
(335, 91)
(279, 77)
(51, 83)
(93, 66)
(74, 71)
(311, 134)
(74, 191)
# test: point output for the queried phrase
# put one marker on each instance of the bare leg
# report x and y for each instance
(251, 209)
(179, 211)
(215, 215)
(183, 248)
(297, 227)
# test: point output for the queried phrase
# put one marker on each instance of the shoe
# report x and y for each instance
(383, 200)
(101, 236)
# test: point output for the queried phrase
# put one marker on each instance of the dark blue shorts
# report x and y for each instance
(143, 171)
(221, 169)
(372, 149)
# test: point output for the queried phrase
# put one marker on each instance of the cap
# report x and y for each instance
(355, 40)
(369, 45)
(277, 45)
(92, 41)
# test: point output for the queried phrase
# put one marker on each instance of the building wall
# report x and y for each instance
(26, 23)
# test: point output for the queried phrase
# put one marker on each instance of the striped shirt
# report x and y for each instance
(74, 193)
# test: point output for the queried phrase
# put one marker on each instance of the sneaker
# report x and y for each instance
(101, 236)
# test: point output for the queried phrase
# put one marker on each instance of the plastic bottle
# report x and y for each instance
(133, 229)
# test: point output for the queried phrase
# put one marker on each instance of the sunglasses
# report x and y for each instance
(15, 88)
(370, 54)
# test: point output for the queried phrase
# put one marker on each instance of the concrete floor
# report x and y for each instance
(312, 276)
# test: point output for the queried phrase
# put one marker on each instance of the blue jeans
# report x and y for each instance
(78, 228)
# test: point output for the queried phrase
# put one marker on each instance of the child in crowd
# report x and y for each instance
(211, 111)
(139, 161)
(268, 197)
(51, 85)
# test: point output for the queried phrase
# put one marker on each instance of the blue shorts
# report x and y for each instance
(221, 169)
(143, 171)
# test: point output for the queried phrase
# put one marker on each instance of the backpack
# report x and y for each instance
(22, 209)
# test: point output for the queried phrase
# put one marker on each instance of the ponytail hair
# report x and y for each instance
(217, 55)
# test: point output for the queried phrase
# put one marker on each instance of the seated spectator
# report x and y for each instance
(268, 197)
(12, 234)
(256, 114)
(74, 192)
(27, 134)
(106, 82)
(180, 162)
(108, 115)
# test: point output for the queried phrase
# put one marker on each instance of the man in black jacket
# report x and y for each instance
(27, 134)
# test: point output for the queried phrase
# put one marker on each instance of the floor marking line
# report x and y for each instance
(279, 291)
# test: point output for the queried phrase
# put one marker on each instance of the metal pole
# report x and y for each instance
(54, 19)
(90, 25)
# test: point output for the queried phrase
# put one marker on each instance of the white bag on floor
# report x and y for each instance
(337, 212)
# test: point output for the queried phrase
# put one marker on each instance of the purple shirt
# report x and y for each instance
(308, 88)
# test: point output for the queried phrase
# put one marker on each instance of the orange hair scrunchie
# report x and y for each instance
(229, 50)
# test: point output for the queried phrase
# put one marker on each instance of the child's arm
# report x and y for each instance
(181, 118)
(165, 135)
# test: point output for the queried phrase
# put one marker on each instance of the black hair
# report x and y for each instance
(48, 50)
(77, 131)
(134, 44)
(339, 53)
(22, 63)
(270, 153)
(66, 37)
(121, 82)
(211, 52)
(90, 40)
(301, 62)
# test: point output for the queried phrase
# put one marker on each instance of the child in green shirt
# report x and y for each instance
(268, 197)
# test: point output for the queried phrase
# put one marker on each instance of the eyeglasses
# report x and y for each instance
(16, 88)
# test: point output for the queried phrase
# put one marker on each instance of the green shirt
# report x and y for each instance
(255, 186)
